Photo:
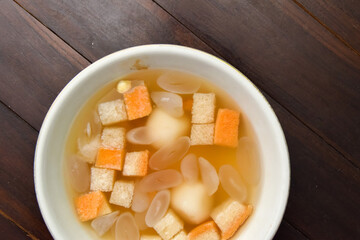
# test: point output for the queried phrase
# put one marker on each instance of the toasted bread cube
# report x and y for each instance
(205, 231)
(91, 205)
(137, 102)
(169, 225)
(102, 179)
(202, 134)
(136, 163)
(150, 237)
(180, 236)
(112, 112)
(227, 128)
(203, 109)
(122, 193)
(113, 137)
(229, 216)
(110, 158)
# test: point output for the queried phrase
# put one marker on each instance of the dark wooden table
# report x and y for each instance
(304, 55)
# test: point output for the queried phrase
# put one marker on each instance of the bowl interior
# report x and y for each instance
(56, 207)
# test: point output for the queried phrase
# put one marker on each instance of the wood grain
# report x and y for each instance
(10, 231)
(286, 231)
(34, 63)
(324, 191)
(290, 56)
(37, 64)
(98, 28)
(17, 195)
(293, 58)
(342, 18)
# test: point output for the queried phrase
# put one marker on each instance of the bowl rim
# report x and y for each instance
(201, 55)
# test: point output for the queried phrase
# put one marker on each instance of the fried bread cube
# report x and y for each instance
(203, 108)
(110, 158)
(113, 137)
(169, 225)
(229, 216)
(137, 102)
(91, 205)
(102, 179)
(122, 193)
(136, 163)
(205, 231)
(202, 134)
(112, 112)
(227, 128)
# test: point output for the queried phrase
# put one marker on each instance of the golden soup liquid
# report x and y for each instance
(216, 155)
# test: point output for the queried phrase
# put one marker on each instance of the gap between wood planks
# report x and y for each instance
(12, 110)
(327, 140)
(63, 40)
(324, 138)
(326, 27)
(18, 225)
(31, 15)
(315, 132)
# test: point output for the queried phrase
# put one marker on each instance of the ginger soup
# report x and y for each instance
(162, 154)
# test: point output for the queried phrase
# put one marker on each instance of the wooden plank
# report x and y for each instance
(97, 29)
(286, 232)
(324, 195)
(112, 28)
(34, 63)
(17, 195)
(9, 230)
(290, 56)
(341, 17)
(314, 165)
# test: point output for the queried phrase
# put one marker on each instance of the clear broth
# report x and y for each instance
(217, 155)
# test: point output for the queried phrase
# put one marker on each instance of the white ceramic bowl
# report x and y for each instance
(55, 206)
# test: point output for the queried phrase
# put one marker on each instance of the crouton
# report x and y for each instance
(112, 112)
(150, 237)
(229, 216)
(202, 134)
(110, 158)
(137, 102)
(169, 225)
(203, 109)
(227, 128)
(91, 205)
(180, 236)
(122, 193)
(102, 179)
(205, 231)
(136, 163)
(113, 137)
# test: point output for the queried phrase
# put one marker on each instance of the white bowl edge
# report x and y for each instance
(145, 52)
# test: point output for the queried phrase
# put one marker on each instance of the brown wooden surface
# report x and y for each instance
(10, 231)
(18, 201)
(288, 54)
(341, 17)
(302, 54)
